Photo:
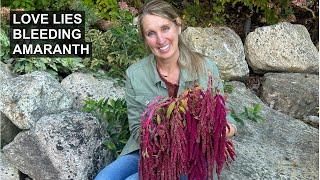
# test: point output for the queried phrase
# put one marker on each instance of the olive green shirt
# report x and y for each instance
(143, 84)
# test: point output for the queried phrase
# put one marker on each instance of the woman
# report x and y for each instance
(167, 71)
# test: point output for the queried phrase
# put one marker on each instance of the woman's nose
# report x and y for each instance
(160, 38)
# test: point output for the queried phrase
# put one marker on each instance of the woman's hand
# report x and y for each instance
(231, 130)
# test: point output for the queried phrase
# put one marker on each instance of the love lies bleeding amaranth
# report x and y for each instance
(185, 136)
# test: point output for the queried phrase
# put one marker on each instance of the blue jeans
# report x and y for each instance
(124, 168)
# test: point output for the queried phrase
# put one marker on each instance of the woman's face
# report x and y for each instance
(161, 35)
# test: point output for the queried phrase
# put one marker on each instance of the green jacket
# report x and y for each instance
(143, 84)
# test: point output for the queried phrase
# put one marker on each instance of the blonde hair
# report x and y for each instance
(188, 59)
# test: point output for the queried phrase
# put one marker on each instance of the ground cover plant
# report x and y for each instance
(185, 136)
(112, 114)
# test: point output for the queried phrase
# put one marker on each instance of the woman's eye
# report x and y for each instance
(165, 28)
(150, 34)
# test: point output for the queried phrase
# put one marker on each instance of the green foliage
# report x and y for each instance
(4, 45)
(55, 66)
(272, 11)
(59, 5)
(252, 114)
(91, 15)
(228, 88)
(191, 15)
(117, 48)
(136, 3)
(114, 114)
(28, 5)
(108, 8)
(100, 42)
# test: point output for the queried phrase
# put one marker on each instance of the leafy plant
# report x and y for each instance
(272, 11)
(228, 88)
(113, 113)
(4, 45)
(107, 8)
(55, 66)
(60, 5)
(28, 5)
(252, 114)
(191, 14)
(91, 14)
(117, 48)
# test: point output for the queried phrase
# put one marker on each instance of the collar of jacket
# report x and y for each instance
(184, 76)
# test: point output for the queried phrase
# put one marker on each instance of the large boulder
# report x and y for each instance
(8, 130)
(221, 44)
(280, 147)
(28, 97)
(294, 94)
(283, 47)
(85, 86)
(7, 170)
(61, 146)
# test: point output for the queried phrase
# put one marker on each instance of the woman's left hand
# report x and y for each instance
(231, 130)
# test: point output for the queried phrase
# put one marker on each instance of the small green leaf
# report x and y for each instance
(110, 145)
(170, 109)
(182, 109)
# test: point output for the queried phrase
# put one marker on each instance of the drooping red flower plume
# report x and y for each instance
(185, 136)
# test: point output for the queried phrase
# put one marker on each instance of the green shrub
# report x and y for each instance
(272, 11)
(117, 48)
(59, 67)
(107, 8)
(30, 5)
(27, 5)
(91, 14)
(112, 113)
(4, 45)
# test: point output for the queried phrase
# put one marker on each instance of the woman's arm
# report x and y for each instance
(134, 109)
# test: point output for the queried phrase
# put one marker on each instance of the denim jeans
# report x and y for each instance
(123, 168)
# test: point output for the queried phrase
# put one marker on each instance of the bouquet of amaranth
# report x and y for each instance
(185, 136)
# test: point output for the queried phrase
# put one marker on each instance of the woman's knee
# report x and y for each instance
(134, 176)
(121, 168)
(105, 174)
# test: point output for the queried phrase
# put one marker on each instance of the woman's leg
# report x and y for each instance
(134, 176)
(121, 168)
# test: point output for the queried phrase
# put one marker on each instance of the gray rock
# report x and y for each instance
(283, 47)
(26, 98)
(294, 94)
(8, 130)
(312, 120)
(4, 72)
(223, 45)
(7, 171)
(60, 146)
(280, 147)
(85, 86)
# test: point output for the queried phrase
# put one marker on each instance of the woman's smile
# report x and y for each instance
(165, 48)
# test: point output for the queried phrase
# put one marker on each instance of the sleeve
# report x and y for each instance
(133, 109)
